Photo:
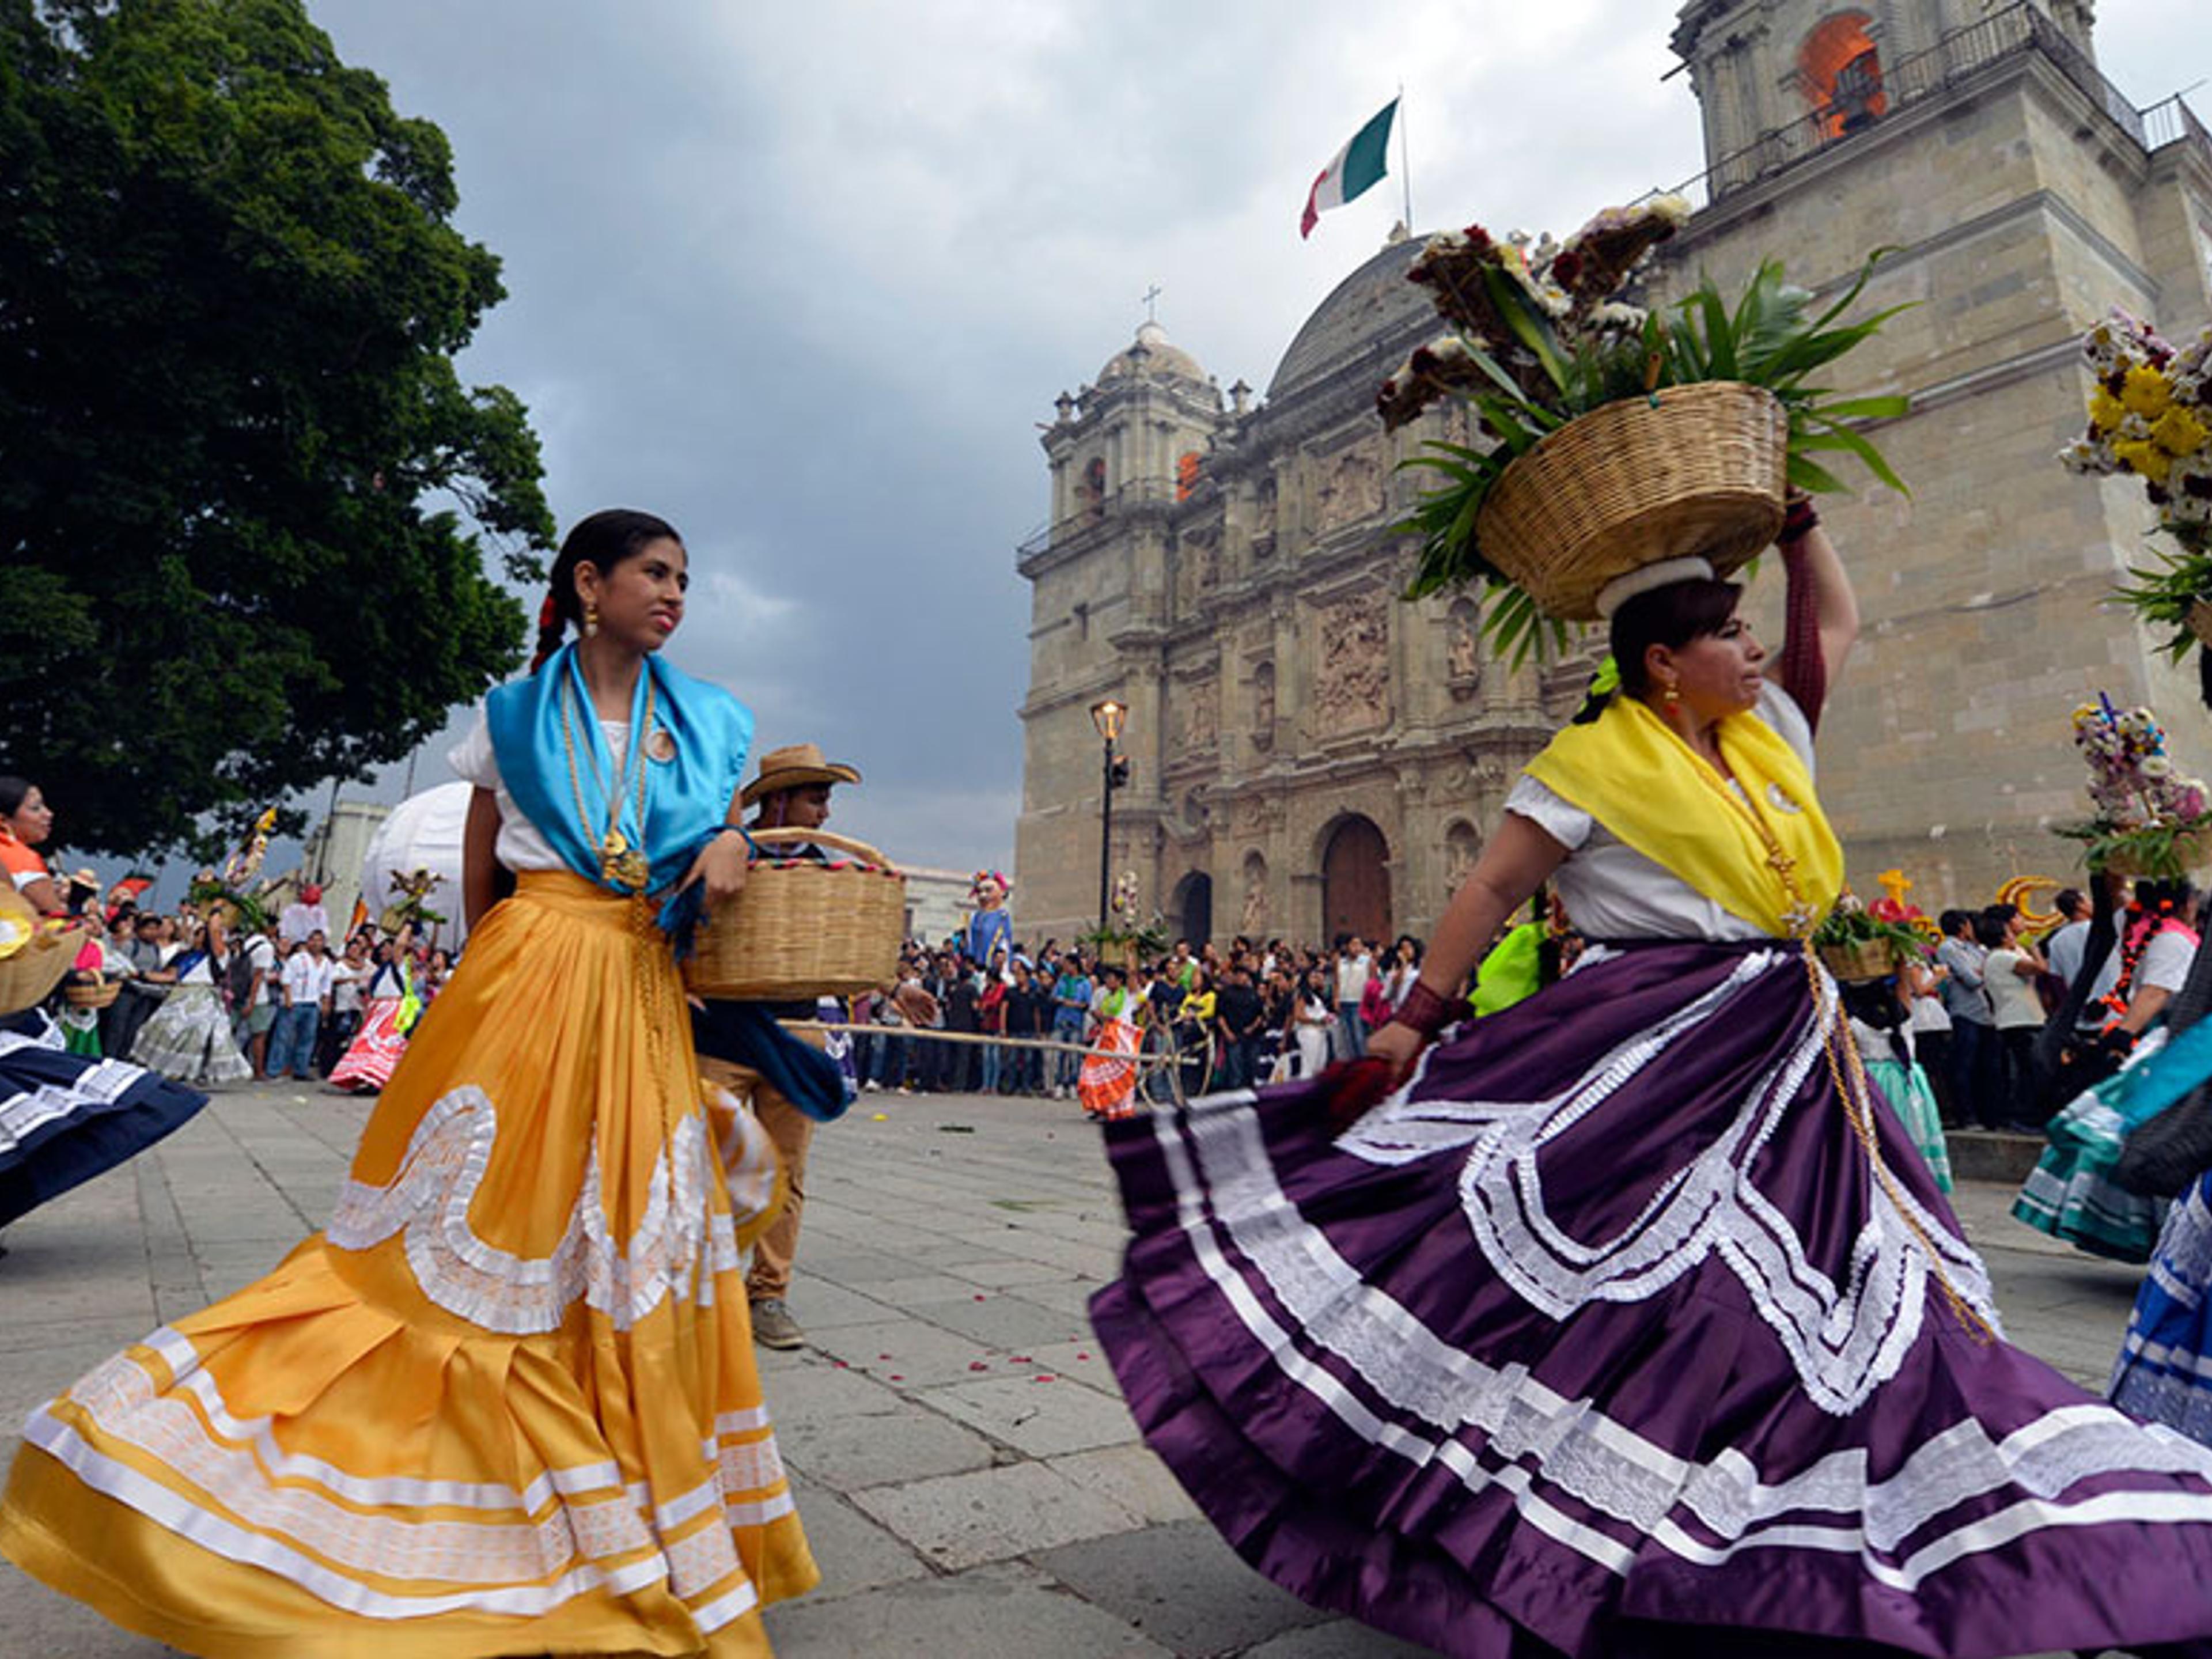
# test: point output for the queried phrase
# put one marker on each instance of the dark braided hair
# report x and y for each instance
(603, 541)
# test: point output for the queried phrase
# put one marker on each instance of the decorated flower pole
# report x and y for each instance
(2150, 417)
(233, 894)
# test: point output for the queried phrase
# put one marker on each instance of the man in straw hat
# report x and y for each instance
(791, 793)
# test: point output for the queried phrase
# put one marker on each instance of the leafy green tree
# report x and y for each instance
(246, 501)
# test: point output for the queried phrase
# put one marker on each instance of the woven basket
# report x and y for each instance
(95, 993)
(2199, 621)
(2190, 852)
(799, 928)
(1700, 470)
(1865, 958)
(28, 977)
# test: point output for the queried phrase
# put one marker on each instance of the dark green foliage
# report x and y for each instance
(243, 496)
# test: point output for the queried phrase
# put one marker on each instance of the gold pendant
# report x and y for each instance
(612, 846)
(633, 870)
(659, 745)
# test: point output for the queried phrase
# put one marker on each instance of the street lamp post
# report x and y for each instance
(1109, 717)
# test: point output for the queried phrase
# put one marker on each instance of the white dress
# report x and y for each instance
(188, 1036)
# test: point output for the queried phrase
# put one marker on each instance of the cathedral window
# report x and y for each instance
(1841, 75)
(1090, 494)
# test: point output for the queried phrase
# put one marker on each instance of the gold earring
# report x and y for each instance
(590, 620)
(1671, 692)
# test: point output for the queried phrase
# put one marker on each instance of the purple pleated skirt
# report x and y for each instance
(1608, 1335)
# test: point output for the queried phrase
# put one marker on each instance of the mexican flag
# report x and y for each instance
(1358, 166)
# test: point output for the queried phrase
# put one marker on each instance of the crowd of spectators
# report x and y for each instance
(295, 1002)
(1231, 1016)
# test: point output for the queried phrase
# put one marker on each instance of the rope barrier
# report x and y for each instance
(1169, 1059)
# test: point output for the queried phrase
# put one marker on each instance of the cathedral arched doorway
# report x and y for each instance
(1194, 908)
(1355, 882)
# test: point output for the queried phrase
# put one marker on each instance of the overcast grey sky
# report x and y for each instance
(804, 278)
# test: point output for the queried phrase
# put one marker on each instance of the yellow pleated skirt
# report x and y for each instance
(506, 1402)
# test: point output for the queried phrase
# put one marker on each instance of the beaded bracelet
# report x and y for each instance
(1799, 519)
(1424, 1011)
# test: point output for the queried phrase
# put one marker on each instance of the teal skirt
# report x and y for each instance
(2070, 1194)
(1905, 1088)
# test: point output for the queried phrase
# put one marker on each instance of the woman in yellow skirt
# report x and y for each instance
(505, 1403)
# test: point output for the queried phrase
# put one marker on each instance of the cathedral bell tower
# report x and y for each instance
(1122, 453)
(2024, 195)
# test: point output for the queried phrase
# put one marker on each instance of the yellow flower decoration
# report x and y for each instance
(2147, 393)
(2146, 458)
(2179, 432)
(2106, 411)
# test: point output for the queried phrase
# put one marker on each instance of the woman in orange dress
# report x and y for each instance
(505, 1403)
(26, 821)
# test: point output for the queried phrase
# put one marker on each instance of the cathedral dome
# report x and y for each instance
(1149, 357)
(1375, 301)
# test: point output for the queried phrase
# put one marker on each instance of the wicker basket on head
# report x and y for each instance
(1864, 958)
(95, 993)
(803, 928)
(1696, 469)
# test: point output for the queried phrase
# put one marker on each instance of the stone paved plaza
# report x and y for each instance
(968, 1477)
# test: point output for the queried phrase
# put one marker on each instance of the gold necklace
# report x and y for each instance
(621, 864)
(1846, 1068)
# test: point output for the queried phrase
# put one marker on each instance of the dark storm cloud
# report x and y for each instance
(804, 278)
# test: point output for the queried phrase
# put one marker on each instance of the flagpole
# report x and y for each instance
(1405, 158)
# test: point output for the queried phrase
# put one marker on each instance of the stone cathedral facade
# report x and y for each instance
(1312, 755)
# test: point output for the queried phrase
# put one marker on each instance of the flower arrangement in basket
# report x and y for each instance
(2150, 820)
(1611, 437)
(2150, 415)
(1124, 941)
(1855, 944)
(233, 894)
(411, 908)
(1893, 907)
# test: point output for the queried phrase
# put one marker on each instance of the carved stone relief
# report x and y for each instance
(1463, 651)
(1263, 707)
(1463, 846)
(1200, 704)
(1255, 815)
(1351, 487)
(1253, 922)
(1351, 678)
(1263, 518)
(1197, 566)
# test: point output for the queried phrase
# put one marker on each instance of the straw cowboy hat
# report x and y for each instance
(795, 767)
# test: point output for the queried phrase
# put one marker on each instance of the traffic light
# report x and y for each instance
(1120, 772)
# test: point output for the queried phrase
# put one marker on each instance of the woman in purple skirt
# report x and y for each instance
(1631, 1322)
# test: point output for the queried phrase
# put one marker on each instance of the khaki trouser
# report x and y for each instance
(790, 1130)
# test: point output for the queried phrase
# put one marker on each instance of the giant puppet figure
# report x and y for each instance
(990, 928)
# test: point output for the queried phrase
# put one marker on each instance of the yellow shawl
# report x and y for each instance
(1633, 773)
